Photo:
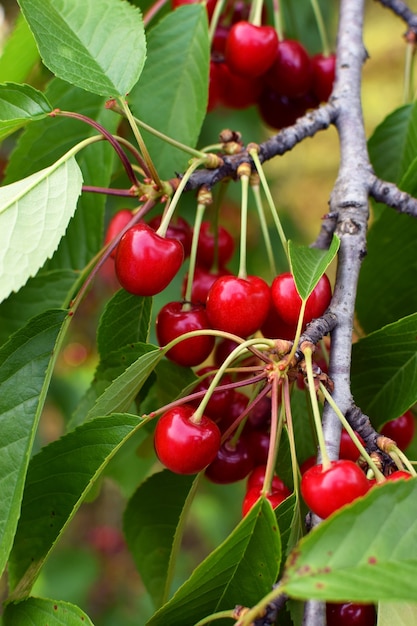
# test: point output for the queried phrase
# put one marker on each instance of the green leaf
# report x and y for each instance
(384, 370)
(398, 613)
(25, 357)
(22, 104)
(126, 319)
(47, 290)
(57, 481)
(34, 214)
(101, 51)
(151, 530)
(171, 94)
(39, 611)
(397, 134)
(364, 553)
(19, 53)
(44, 142)
(309, 264)
(240, 571)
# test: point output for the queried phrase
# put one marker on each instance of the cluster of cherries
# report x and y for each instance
(250, 65)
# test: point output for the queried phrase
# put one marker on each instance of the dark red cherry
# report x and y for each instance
(350, 614)
(237, 406)
(146, 263)
(207, 242)
(178, 229)
(251, 49)
(323, 70)
(233, 462)
(280, 111)
(220, 401)
(290, 74)
(116, 225)
(256, 479)
(215, 93)
(253, 495)
(400, 429)
(176, 319)
(183, 445)
(259, 442)
(210, 5)
(274, 326)
(238, 305)
(202, 281)
(287, 302)
(347, 449)
(238, 92)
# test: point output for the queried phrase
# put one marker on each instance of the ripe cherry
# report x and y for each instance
(146, 263)
(233, 462)
(210, 5)
(259, 442)
(202, 281)
(256, 479)
(290, 73)
(325, 492)
(178, 228)
(238, 92)
(399, 475)
(238, 305)
(251, 49)
(350, 614)
(274, 326)
(220, 400)
(401, 430)
(176, 319)
(323, 70)
(253, 495)
(347, 449)
(207, 246)
(287, 302)
(183, 445)
(280, 111)
(116, 225)
(238, 404)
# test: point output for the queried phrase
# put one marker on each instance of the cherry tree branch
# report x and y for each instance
(403, 11)
(389, 194)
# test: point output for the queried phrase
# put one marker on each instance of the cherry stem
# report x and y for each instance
(274, 438)
(193, 254)
(321, 28)
(218, 10)
(106, 135)
(377, 473)
(142, 147)
(249, 407)
(325, 460)
(254, 154)
(408, 72)
(298, 331)
(127, 193)
(400, 458)
(278, 19)
(291, 436)
(255, 15)
(220, 615)
(264, 227)
(220, 372)
(153, 10)
(249, 618)
(175, 198)
(243, 226)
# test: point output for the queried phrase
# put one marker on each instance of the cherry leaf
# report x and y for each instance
(398, 613)
(309, 264)
(34, 214)
(20, 104)
(366, 552)
(39, 611)
(19, 53)
(101, 51)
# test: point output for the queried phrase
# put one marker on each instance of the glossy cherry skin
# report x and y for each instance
(256, 479)
(274, 326)
(232, 463)
(116, 225)
(399, 475)
(178, 228)
(401, 430)
(174, 320)
(326, 492)
(251, 49)
(238, 92)
(347, 449)
(287, 302)
(183, 446)
(290, 74)
(259, 442)
(146, 263)
(280, 111)
(350, 614)
(253, 495)
(239, 402)
(323, 70)
(207, 243)
(238, 305)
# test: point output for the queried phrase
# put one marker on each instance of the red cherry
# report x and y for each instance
(274, 326)
(324, 70)
(256, 479)
(325, 492)
(287, 302)
(215, 86)
(116, 225)
(350, 614)
(238, 92)
(218, 45)
(251, 49)
(347, 449)
(182, 445)
(237, 405)
(233, 462)
(145, 262)
(207, 245)
(399, 475)
(238, 305)
(401, 430)
(280, 111)
(259, 417)
(290, 74)
(202, 281)
(176, 319)
(210, 5)
(253, 495)
(305, 465)
(178, 228)
(221, 399)
(259, 442)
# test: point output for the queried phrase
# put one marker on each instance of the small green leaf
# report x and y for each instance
(34, 214)
(57, 481)
(25, 357)
(364, 553)
(101, 51)
(19, 54)
(240, 571)
(384, 370)
(309, 264)
(398, 613)
(22, 103)
(171, 94)
(150, 528)
(39, 611)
